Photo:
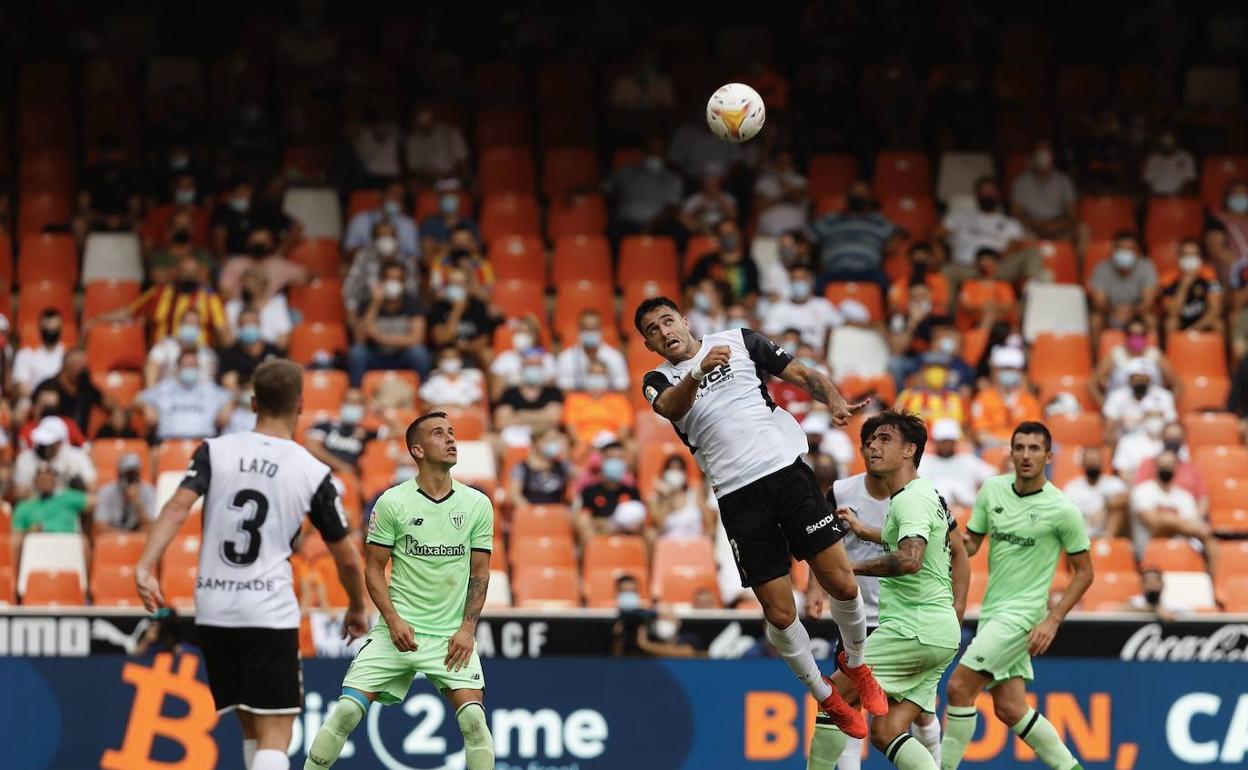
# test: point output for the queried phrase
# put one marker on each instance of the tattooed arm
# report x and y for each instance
(820, 388)
(459, 649)
(906, 560)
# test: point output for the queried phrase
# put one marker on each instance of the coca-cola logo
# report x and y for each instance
(1150, 642)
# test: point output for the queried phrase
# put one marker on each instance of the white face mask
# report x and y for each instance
(596, 382)
(947, 345)
(664, 629)
(1124, 259)
(387, 245)
(451, 365)
(674, 477)
(392, 289)
(1189, 263)
(522, 340)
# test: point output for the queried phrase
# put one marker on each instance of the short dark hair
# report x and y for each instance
(48, 313)
(392, 264)
(613, 445)
(911, 427)
(1123, 235)
(650, 305)
(623, 576)
(1033, 428)
(986, 251)
(278, 386)
(414, 428)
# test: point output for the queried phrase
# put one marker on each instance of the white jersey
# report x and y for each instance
(735, 431)
(852, 492)
(256, 489)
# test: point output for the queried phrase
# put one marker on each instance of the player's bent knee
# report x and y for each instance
(1009, 712)
(780, 617)
(961, 690)
(478, 743)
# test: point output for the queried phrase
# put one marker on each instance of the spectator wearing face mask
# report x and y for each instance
(463, 253)
(50, 446)
(375, 139)
(163, 259)
(241, 213)
(461, 319)
(1154, 599)
(600, 502)
(574, 362)
(339, 441)
(262, 254)
(162, 306)
(1100, 496)
(1123, 286)
(50, 508)
(162, 359)
(1135, 446)
(545, 475)
(1235, 266)
(1169, 169)
(76, 394)
(127, 504)
(678, 507)
(1191, 295)
(985, 299)
(250, 349)
(46, 402)
(956, 473)
(271, 308)
(436, 229)
(1006, 402)
(1160, 508)
(911, 331)
(362, 227)
(815, 317)
(933, 395)
(731, 265)
(706, 307)
(922, 270)
(1044, 198)
(596, 410)
(1237, 399)
(711, 204)
(366, 266)
(852, 244)
(391, 332)
(186, 405)
(1186, 473)
(531, 406)
(507, 368)
(987, 226)
(780, 196)
(1125, 407)
(1136, 352)
(645, 196)
(33, 365)
(435, 148)
(1229, 233)
(452, 384)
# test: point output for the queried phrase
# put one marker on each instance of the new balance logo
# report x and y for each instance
(416, 522)
(818, 525)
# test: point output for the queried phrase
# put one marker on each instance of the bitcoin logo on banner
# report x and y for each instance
(193, 731)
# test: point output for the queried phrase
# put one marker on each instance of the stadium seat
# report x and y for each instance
(1232, 520)
(1233, 557)
(626, 553)
(174, 455)
(635, 292)
(335, 594)
(1075, 385)
(545, 587)
(471, 423)
(319, 255)
(1083, 87)
(1219, 462)
(1173, 219)
(498, 592)
(958, 173)
(40, 211)
(518, 256)
(427, 204)
(1053, 355)
(1112, 554)
(49, 168)
(1212, 88)
(698, 246)
(515, 297)
(318, 301)
(681, 566)
(112, 256)
(105, 452)
(645, 257)
(1085, 429)
(580, 214)
(476, 465)
(899, 173)
(362, 200)
(830, 174)
(624, 157)
(573, 297)
(1111, 591)
(8, 587)
(1197, 353)
(1211, 429)
(1232, 593)
(113, 549)
(1201, 392)
(541, 521)
(309, 340)
(854, 388)
(113, 585)
(1107, 215)
(1096, 252)
(867, 294)
(53, 588)
(374, 380)
(178, 586)
(1054, 308)
(323, 389)
(916, 214)
(857, 352)
(503, 126)
(182, 552)
(1060, 260)
(599, 584)
(653, 456)
(1216, 172)
(1228, 492)
(46, 551)
(829, 204)
(568, 170)
(106, 295)
(581, 258)
(48, 257)
(33, 297)
(509, 214)
(506, 170)
(113, 346)
(317, 209)
(977, 588)
(1171, 555)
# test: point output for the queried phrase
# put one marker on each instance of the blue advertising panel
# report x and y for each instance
(598, 714)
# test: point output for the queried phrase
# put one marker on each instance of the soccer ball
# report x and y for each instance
(736, 112)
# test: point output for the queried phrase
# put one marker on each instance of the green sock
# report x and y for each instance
(826, 747)
(959, 728)
(906, 753)
(1038, 733)
(332, 736)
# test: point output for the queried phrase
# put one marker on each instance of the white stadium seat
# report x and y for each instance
(498, 594)
(1191, 589)
(476, 462)
(1054, 308)
(958, 172)
(46, 551)
(859, 352)
(317, 209)
(112, 256)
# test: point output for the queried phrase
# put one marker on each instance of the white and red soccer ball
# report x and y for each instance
(736, 113)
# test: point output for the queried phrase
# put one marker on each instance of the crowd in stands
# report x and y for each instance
(1060, 241)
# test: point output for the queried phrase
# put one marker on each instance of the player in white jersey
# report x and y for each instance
(257, 487)
(714, 391)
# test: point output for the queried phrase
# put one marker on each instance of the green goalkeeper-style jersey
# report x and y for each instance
(920, 605)
(431, 542)
(1025, 535)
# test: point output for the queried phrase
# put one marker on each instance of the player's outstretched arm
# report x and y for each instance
(675, 401)
(860, 530)
(906, 560)
(960, 571)
(401, 632)
(1042, 635)
(459, 648)
(158, 539)
(820, 388)
(351, 575)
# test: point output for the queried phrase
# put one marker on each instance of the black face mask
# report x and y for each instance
(1173, 445)
(248, 295)
(258, 250)
(856, 204)
(186, 286)
(50, 336)
(1139, 390)
(1165, 475)
(458, 255)
(919, 272)
(130, 478)
(988, 204)
(1152, 597)
(45, 452)
(1093, 474)
(181, 237)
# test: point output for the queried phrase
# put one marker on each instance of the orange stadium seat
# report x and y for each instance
(916, 214)
(1201, 392)
(34, 297)
(581, 258)
(517, 298)
(321, 256)
(1171, 555)
(175, 454)
(650, 463)
(178, 586)
(53, 588)
(1228, 493)
(113, 586)
(1197, 353)
(1054, 355)
(319, 301)
(580, 214)
(543, 551)
(1085, 429)
(1222, 462)
(541, 521)
(509, 214)
(626, 553)
(1107, 215)
(867, 293)
(113, 549)
(323, 389)
(363, 200)
(6, 258)
(545, 587)
(574, 297)
(830, 174)
(374, 380)
(681, 566)
(8, 592)
(977, 588)
(1232, 520)
(1112, 554)
(106, 452)
(503, 126)
(627, 156)
(900, 173)
(518, 256)
(829, 204)
(427, 204)
(599, 583)
(46, 168)
(1076, 385)
(1060, 260)
(506, 170)
(697, 247)
(1216, 172)
(1232, 591)
(635, 292)
(1233, 557)
(1211, 429)
(116, 346)
(1096, 252)
(645, 257)
(471, 423)
(37, 211)
(568, 170)
(182, 552)
(309, 339)
(1164, 256)
(106, 295)
(1173, 219)
(122, 387)
(1111, 591)
(335, 594)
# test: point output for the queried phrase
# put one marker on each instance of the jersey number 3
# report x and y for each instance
(255, 508)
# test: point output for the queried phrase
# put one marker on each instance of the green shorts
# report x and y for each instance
(999, 650)
(380, 668)
(906, 668)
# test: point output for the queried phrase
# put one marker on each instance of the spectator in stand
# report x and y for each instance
(186, 405)
(1160, 508)
(574, 362)
(706, 307)
(1237, 400)
(271, 307)
(922, 271)
(532, 406)
(594, 410)
(391, 332)
(711, 204)
(987, 226)
(986, 299)
(956, 473)
(375, 140)
(1136, 351)
(912, 330)
(780, 196)
(250, 349)
(1217, 244)
(815, 317)
(1134, 447)
(366, 265)
(127, 504)
(934, 396)
(1006, 402)
(50, 508)
(600, 507)
(463, 253)
(75, 392)
(732, 265)
(362, 229)
(793, 398)
(241, 213)
(1152, 598)
(1169, 169)
(852, 244)
(645, 196)
(435, 148)
(163, 261)
(507, 368)
(462, 320)
(162, 359)
(544, 476)
(678, 507)
(45, 402)
(1191, 296)
(436, 229)
(1186, 473)
(1044, 198)
(1125, 407)
(695, 149)
(262, 254)
(71, 466)
(162, 306)
(1101, 497)
(339, 441)
(452, 384)
(112, 188)
(1123, 286)
(32, 366)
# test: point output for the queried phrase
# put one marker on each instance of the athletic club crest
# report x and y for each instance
(457, 519)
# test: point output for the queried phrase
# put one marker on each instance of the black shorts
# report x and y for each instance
(775, 517)
(255, 670)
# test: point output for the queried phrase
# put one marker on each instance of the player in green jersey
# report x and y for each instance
(1030, 522)
(919, 632)
(437, 533)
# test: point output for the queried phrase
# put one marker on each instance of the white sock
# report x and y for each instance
(851, 757)
(929, 735)
(793, 644)
(249, 752)
(271, 759)
(851, 619)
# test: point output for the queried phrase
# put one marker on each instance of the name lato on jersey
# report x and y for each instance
(257, 465)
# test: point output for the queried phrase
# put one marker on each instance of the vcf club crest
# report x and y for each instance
(457, 519)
